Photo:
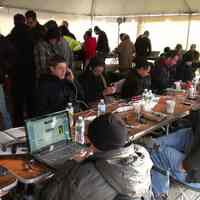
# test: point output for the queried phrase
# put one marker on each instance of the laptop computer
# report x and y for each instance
(49, 139)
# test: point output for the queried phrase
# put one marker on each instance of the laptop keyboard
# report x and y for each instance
(61, 154)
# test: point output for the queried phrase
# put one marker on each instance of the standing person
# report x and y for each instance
(89, 47)
(102, 42)
(67, 32)
(53, 45)
(125, 52)
(37, 31)
(143, 45)
(7, 60)
(22, 71)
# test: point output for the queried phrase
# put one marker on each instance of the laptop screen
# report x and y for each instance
(47, 130)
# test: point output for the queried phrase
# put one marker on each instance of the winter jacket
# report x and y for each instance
(102, 43)
(134, 85)
(192, 160)
(92, 85)
(125, 171)
(125, 52)
(143, 46)
(53, 94)
(89, 48)
(44, 50)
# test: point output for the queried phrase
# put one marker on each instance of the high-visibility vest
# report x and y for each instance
(73, 44)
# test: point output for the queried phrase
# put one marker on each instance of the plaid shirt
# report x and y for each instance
(44, 50)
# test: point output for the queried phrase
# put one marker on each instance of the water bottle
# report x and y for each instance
(101, 107)
(150, 96)
(70, 110)
(80, 130)
(145, 95)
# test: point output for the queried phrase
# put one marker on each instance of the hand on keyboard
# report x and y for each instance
(83, 154)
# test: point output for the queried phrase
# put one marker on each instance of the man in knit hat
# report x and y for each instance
(117, 170)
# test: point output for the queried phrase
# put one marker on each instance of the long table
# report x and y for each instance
(138, 130)
(17, 165)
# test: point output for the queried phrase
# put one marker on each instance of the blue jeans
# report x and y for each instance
(169, 157)
(7, 123)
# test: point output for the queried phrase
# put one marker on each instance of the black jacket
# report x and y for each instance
(37, 34)
(143, 46)
(7, 58)
(20, 39)
(102, 43)
(53, 94)
(92, 85)
(134, 85)
(160, 78)
(192, 160)
(184, 72)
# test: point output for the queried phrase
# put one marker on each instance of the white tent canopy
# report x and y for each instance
(107, 7)
(169, 22)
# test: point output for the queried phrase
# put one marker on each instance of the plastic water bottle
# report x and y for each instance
(80, 130)
(70, 110)
(145, 94)
(150, 96)
(101, 107)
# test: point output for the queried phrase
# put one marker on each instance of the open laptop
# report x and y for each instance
(49, 139)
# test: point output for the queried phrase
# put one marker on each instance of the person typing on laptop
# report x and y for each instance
(117, 170)
(57, 88)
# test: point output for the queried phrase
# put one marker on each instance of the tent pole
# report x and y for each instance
(92, 12)
(188, 31)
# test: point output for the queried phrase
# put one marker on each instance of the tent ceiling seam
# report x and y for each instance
(46, 10)
(188, 5)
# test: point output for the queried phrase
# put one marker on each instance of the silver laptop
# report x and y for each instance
(49, 139)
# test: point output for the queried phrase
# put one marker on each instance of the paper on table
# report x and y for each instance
(5, 139)
(90, 118)
(123, 109)
(16, 133)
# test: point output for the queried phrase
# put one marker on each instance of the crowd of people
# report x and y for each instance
(37, 76)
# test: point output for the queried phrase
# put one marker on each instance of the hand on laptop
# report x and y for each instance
(83, 154)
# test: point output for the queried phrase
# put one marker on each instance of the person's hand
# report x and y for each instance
(69, 74)
(109, 90)
(83, 154)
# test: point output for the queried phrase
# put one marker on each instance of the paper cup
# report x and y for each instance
(170, 106)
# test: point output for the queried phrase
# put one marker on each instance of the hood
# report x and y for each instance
(131, 174)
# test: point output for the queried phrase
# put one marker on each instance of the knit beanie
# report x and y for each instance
(108, 132)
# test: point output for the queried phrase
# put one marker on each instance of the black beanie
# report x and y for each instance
(95, 62)
(53, 33)
(108, 132)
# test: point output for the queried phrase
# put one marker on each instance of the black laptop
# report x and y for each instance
(49, 139)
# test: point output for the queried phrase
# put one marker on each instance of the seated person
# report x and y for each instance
(184, 71)
(117, 169)
(57, 88)
(177, 153)
(94, 82)
(138, 79)
(160, 76)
